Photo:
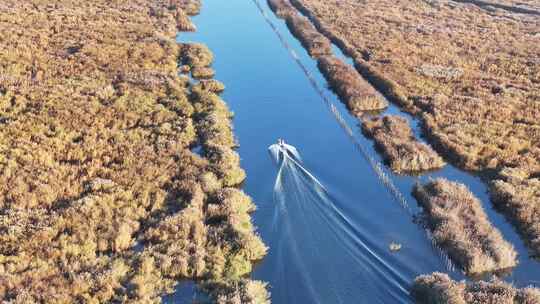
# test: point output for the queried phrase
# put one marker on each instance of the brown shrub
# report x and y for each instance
(211, 85)
(184, 69)
(196, 55)
(243, 291)
(282, 8)
(354, 91)
(202, 72)
(313, 41)
(101, 198)
(190, 7)
(216, 137)
(391, 90)
(476, 92)
(212, 119)
(394, 136)
(226, 164)
(183, 22)
(438, 288)
(461, 227)
(518, 193)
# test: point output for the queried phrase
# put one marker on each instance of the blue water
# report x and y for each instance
(329, 248)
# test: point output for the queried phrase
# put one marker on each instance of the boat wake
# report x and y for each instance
(306, 216)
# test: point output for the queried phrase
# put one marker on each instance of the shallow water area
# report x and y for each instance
(329, 244)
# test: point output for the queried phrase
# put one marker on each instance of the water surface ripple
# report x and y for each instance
(327, 244)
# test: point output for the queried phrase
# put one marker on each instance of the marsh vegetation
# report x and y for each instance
(453, 65)
(439, 288)
(464, 100)
(395, 138)
(101, 199)
(461, 227)
(354, 91)
(282, 8)
(314, 42)
(517, 193)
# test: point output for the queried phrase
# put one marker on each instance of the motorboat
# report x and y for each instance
(280, 150)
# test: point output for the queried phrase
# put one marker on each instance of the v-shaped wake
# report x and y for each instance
(307, 217)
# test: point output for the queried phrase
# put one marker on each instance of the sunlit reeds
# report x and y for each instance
(461, 227)
(101, 198)
(355, 92)
(314, 42)
(476, 97)
(439, 288)
(403, 151)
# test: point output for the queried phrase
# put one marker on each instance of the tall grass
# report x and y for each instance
(439, 288)
(355, 92)
(314, 42)
(517, 192)
(477, 101)
(391, 90)
(395, 138)
(461, 227)
(101, 198)
(282, 8)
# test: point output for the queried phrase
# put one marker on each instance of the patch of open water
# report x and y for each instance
(309, 255)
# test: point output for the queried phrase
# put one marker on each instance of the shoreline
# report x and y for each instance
(460, 226)
(106, 201)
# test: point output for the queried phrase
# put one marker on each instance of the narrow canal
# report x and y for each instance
(329, 239)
